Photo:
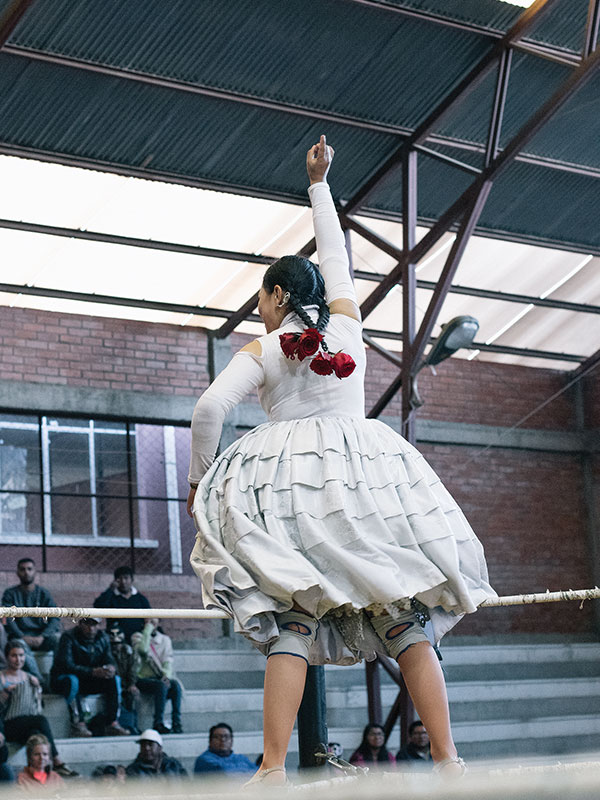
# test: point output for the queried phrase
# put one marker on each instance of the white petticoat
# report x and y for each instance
(337, 514)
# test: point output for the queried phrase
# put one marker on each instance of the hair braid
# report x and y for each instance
(323, 321)
(298, 309)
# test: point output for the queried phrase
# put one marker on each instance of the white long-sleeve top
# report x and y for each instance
(289, 389)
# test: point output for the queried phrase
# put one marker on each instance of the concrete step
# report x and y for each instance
(485, 739)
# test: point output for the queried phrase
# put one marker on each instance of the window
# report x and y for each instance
(68, 482)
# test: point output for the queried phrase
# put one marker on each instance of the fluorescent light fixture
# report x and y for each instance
(522, 3)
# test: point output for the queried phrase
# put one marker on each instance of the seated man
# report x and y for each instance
(123, 594)
(415, 754)
(152, 761)
(83, 664)
(36, 632)
(220, 756)
(155, 674)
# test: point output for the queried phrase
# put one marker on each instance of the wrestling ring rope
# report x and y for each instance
(506, 780)
(195, 613)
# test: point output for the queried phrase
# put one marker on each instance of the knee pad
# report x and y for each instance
(297, 634)
(398, 633)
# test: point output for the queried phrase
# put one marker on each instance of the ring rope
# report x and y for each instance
(196, 613)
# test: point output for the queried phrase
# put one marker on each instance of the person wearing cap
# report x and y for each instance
(152, 761)
(84, 664)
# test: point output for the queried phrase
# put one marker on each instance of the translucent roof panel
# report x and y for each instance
(73, 198)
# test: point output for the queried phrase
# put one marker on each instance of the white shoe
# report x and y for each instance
(259, 777)
(439, 767)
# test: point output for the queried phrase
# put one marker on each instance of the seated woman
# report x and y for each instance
(155, 674)
(372, 751)
(21, 705)
(38, 771)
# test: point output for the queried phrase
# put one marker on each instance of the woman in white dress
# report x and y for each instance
(326, 536)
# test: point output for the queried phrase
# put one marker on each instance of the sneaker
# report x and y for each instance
(162, 728)
(80, 730)
(114, 729)
(64, 771)
(176, 728)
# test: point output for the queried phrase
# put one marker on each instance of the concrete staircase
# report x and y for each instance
(506, 700)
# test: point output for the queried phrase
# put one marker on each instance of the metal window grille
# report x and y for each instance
(80, 492)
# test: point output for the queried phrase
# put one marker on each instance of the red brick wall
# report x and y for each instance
(479, 393)
(164, 591)
(525, 506)
(101, 353)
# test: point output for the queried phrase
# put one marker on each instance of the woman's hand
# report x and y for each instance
(318, 161)
(190, 500)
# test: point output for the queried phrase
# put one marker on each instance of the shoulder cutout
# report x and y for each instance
(346, 307)
(254, 348)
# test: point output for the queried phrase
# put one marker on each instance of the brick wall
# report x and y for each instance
(78, 590)
(101, 353)
(525, 506)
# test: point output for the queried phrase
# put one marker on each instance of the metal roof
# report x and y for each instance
(225, 96)
(87, 69)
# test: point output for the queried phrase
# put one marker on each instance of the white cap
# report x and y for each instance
(150, 735)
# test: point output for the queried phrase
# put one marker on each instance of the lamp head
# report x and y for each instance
(457, 333)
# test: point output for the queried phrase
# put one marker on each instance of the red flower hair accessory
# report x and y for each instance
(309, 342)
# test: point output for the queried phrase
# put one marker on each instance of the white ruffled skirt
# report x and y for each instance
(338, 515)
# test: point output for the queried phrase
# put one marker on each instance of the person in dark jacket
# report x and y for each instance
(123, 594)
(152, 761)
(415, 754)
(84, 664)
(36, 632)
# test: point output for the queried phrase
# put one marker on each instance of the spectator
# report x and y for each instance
(21, 705)
(155, 674)
(152, 761)
(127, 668)
(220, 756)
(6, 773)
(37, 633)
(84, 664)
(415, 754)
(38, 771)
(108, 773)
(123, 594)
(336, 749)
(30, 662)
(372, 749)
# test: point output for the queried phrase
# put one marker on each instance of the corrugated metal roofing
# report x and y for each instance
(377, 71)
(367, 63)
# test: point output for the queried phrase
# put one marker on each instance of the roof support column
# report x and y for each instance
(409, 289)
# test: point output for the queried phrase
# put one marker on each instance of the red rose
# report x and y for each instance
(343, 365)
(308, 343)
(321, 364)
(289, 344)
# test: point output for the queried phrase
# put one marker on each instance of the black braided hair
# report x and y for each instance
(302, 279)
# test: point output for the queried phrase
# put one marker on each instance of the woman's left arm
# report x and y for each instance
(243, 374)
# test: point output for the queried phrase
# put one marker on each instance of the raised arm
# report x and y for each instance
(331, 246)
(243, 374)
